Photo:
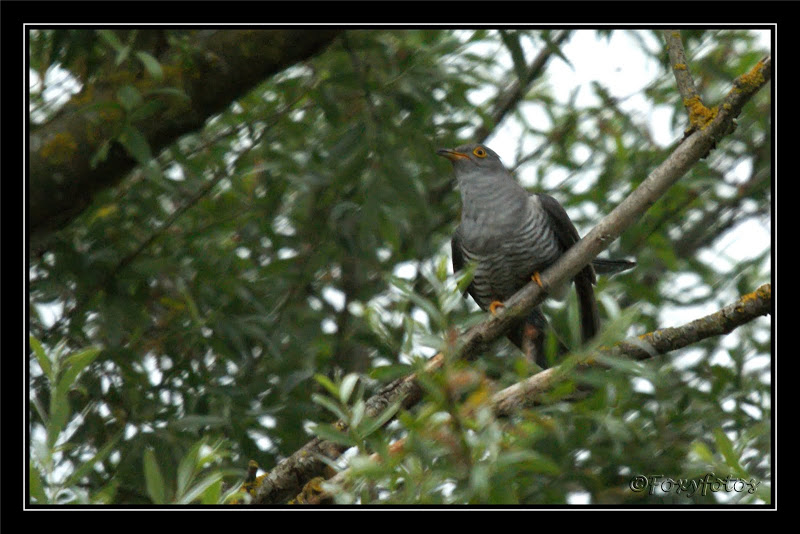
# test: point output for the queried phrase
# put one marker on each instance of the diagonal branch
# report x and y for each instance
(745, 309)
(289, 476)
(527, 393)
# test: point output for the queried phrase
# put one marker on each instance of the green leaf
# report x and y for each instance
(387, 373)
(328, 384)
(36, 485)
(122, 55)
(555, 49)
(129, 97)
(149, 108)
(511, 40)
(136, 144)
(151, 65)
(187, 467)
(427, 306)
(153, 478)
(371, 424)
(59, 413)
(111, 39)
(75, 363)
(87, 466)
(197, 422)
(169, 91)
(330, 433)
(358, 413)
(41, 358)
(346, 389)
(100, 154)
(725, 447)
(199, 489)
(213, 494)
(465, 278)
(330, 405)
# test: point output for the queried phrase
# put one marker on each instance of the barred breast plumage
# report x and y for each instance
(510, 235)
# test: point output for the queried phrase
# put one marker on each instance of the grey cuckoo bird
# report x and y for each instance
(511, 236)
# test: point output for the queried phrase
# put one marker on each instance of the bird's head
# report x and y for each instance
(468, 158)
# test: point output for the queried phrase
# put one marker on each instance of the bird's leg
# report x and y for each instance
(536, 278)
(530, 347)
(494, 305)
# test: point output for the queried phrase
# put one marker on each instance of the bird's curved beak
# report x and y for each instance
(451, 154)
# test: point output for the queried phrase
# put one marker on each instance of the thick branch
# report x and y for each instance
(227, 65)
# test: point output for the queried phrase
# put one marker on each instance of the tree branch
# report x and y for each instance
(680, 66)
(721, 322)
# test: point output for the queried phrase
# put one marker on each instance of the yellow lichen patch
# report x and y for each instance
(762, 293)
(60, 148)
(105, 211)
(765, 291)
(476, 399)
(749, 297)
(249, 487)
(251, 482)
(754, 78)
(699, 115)
(312, 492)
(679, 66)
(252, 471)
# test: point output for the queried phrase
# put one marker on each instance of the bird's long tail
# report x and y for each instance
(590, 316)
(609, 266)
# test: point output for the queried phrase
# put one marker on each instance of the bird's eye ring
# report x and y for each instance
(481, 153)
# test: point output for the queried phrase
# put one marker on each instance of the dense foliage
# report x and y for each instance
(179, 321)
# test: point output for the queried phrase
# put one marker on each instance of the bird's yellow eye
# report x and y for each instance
(481, 153)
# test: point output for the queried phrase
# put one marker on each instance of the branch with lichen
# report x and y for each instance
(287, 479)
(722, 322)
(680, 65)
(699, 114)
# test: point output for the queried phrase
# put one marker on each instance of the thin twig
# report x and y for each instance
(680, 66)
(516, 91)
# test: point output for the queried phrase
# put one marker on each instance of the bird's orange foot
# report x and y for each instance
(494, 305)
(536, 278)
